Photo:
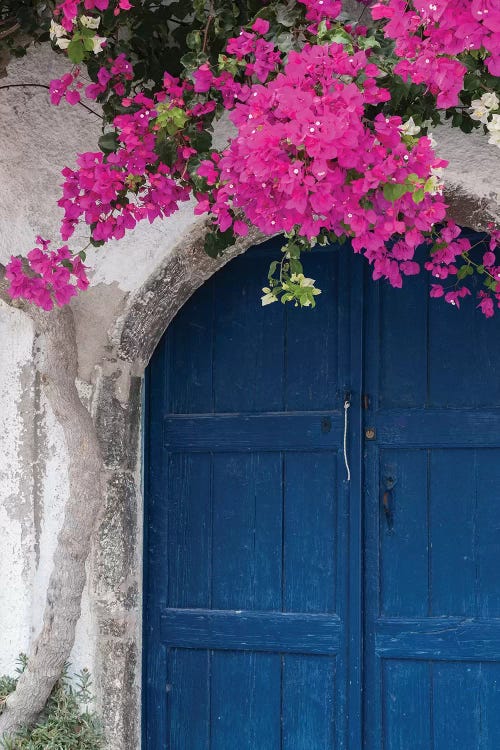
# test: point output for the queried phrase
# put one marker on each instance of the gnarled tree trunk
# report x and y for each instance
(57, 364)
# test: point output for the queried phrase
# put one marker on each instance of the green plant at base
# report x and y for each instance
(65, 724)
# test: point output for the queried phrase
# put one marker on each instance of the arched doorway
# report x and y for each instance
(285, 606)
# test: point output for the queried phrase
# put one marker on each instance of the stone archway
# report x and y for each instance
(116, 565)
(115, 568)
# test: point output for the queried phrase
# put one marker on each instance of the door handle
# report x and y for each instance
(388, 502)
(387, 506)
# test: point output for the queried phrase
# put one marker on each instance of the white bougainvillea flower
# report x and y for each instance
(63, 42)
(99, 42)
(479, 112)
(410, 127)
(494, 124)
(490, 100)
(433, 142)
(89, 22)
(494, 129)
(56, 30)
(481, 108)
(268, 298)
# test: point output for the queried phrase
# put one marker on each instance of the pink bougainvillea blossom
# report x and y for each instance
(304, 159)
(318, 152)
(46, 276)
(429, 36)
(69, 10)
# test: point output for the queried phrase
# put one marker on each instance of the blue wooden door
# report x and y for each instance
(247, 593)
(432, 519)
(289, 609)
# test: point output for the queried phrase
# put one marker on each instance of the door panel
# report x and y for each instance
(432, 541)
(268, 591)
(246, 634)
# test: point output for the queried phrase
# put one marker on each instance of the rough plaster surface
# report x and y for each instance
(17, 529)
(138, 286)
(472, 178)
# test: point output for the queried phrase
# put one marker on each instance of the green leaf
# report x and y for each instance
(393, 191)
(193, 40)
(201, 141)
(166, 148)
(292, 250)
(296, 266)
(272, 269)
(216, 242)
(192, 60)
(418, 196)
(76, 51)
(367, 42)
(108, 143)
(88, 44)
(287, 15)
(285, 41)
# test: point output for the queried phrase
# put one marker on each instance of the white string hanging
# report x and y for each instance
(347, 404)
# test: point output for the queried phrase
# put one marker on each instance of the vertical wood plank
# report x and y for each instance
(308, 703)
(248, 342)
(488, 532)
(407, 706)
(190, 356)
(310, 532)
(490, 706)
(462, 376)
(189, 538)
(247, 531)
(188, 693)
(402, 358)
(312, 341)
(245, 711)
(404, 544)
(452, 486)
(457, 705)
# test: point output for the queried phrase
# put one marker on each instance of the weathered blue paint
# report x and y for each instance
(286, 609)
(432, 510)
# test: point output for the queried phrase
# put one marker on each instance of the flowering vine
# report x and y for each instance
(331, 142)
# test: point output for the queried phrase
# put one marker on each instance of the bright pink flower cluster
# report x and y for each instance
(306, 159)
(113, 193)
(429, 36)
(69, 10)
(309, 158)
(47, 276)
(319, 10)
(67, 87)
(264, 56)
(446, 261)
(114, 75)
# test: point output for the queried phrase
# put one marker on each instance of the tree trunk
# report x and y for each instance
(58, 368)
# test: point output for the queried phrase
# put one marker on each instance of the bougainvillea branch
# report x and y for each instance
(332, 134)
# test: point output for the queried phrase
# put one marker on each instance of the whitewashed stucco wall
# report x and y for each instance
(37, 140)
